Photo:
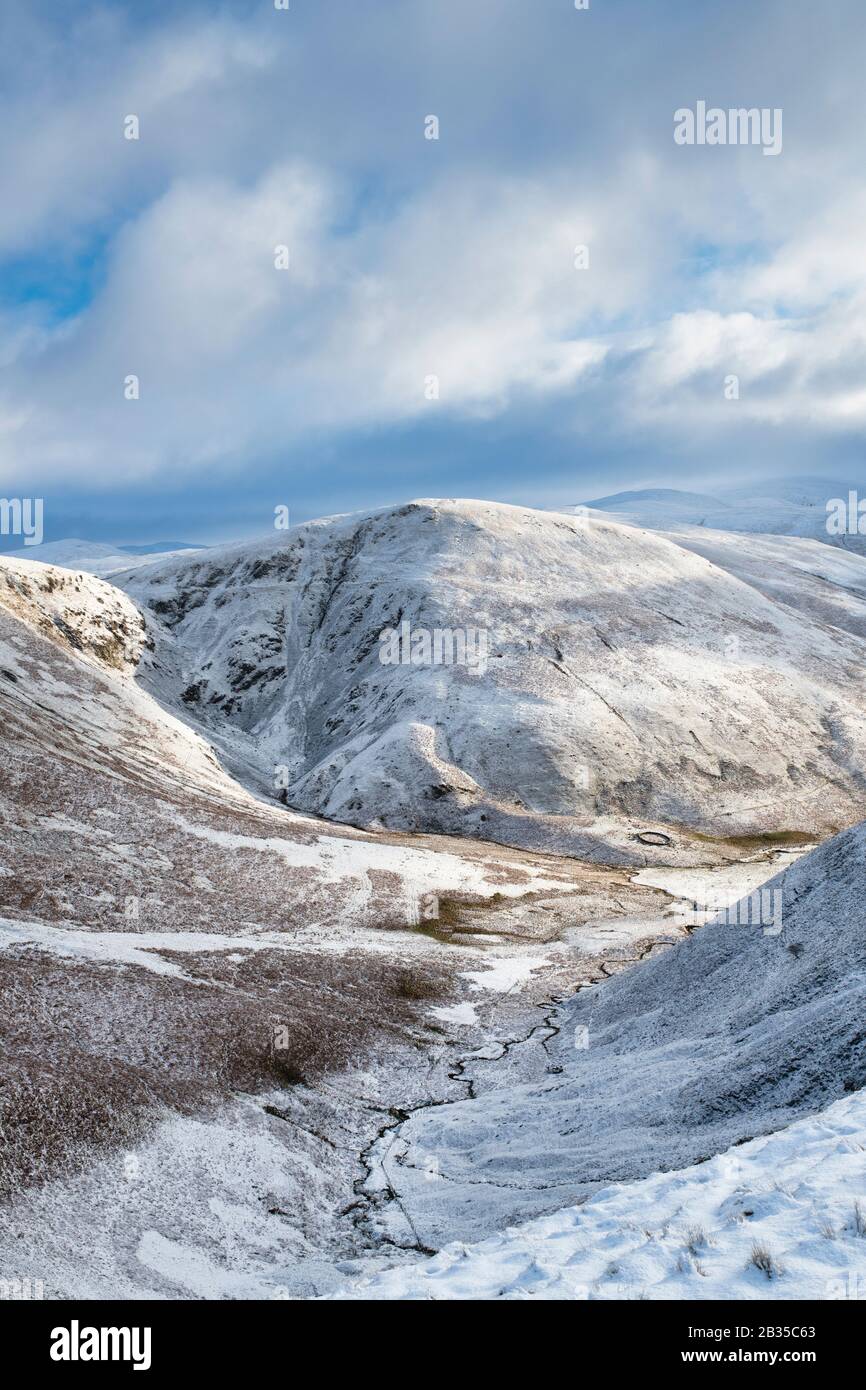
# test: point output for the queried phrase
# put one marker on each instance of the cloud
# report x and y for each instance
(69, 167)
(473, 283)
(412, 259)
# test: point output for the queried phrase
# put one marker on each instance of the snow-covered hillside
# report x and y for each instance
(209, 1005)
(87, 746)
(731, 1034)
(629, 684)
(817, 582)
(783, 1217)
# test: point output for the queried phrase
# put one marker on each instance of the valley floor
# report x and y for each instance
(289, 1193)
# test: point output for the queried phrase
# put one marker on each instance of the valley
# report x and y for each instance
(292, 1003)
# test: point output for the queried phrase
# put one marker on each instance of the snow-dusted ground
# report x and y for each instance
(101, 775)
(734, 1032)
(824, 582)
(689, 1234)
(158, 922)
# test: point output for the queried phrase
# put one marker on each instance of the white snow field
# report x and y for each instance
(782, 1217)
(730, 1034)
(630, 685)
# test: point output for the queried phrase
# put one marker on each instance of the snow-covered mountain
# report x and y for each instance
(180, 963)
(92, 557)
(93, 757)
(796, 507)
(630, 686)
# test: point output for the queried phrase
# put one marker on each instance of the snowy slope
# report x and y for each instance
(733, 1033)
(690, 1234)
(140, 881)
(630, 683)
(93, 762)
(774, 507)
(69, 609)
(826, 584)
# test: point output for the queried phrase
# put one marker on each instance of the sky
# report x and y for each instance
(325, 310)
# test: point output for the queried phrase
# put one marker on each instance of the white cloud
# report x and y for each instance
(65, 161)
(476, 286)
(413, 258)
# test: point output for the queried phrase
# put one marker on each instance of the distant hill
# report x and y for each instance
(160, 547)
(94, 557)
(666, 495)
(775, 507)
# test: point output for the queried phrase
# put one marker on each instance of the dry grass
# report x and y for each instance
(94, 1054)
(413, 983)
(696, 1240)
(762, 1258)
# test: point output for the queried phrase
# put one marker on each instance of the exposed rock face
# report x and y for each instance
(75, 610)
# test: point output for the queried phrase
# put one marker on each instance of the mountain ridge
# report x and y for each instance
(631, 684)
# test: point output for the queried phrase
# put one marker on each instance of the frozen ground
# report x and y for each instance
(782, 1217)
